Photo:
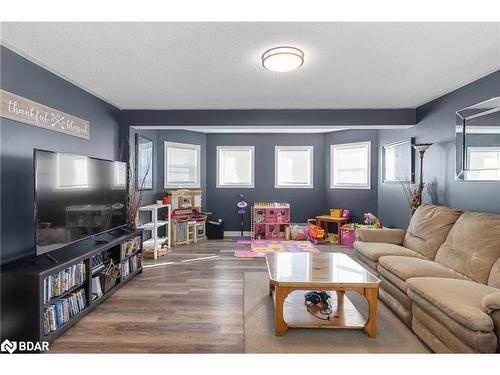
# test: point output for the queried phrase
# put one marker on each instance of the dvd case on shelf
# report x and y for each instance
(61, 311)
(62, 281)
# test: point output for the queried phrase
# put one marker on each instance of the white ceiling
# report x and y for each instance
(217, 65)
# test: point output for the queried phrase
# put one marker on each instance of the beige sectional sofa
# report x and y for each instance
(443, 276)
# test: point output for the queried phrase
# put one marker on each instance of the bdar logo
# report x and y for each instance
(8, 346)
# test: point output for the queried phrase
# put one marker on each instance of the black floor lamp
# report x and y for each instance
(421, 148)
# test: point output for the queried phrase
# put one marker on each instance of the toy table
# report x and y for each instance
(330, 219)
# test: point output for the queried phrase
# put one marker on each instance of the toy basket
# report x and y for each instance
(336, 212)
(298, 231)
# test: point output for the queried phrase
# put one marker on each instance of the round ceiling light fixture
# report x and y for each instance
(282, 59)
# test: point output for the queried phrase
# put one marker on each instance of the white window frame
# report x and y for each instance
(334, 185)
(277, 149)
(472, 173)
(221, 185)
(197, 148)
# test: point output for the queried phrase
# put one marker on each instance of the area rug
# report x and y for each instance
(393, 336)
(249, 254)
(283, 246)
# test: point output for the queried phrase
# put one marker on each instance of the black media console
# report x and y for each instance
(34, 288)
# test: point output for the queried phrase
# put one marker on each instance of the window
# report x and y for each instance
(293, 167)
(120, 175)
(182, 165)
(483, 163)
(235, 166)
(350, 166)
(72, 172)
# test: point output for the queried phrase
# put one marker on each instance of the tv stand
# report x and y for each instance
(51, 258)
(23, 293)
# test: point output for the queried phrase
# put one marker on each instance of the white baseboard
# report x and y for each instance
(236, 233)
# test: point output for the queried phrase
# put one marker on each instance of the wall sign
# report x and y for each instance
(17, 108)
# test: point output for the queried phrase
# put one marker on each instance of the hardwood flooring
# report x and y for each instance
(189, 301)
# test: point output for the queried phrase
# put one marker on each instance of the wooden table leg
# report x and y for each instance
(371, 325)
(271, 288)
(340, 303)
(280, 295)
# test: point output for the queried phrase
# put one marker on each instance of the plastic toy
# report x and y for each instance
(346, 214)
(370, 219)
(314, 232)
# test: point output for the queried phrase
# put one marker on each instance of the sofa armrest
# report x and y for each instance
(385, 235)
(491, 301)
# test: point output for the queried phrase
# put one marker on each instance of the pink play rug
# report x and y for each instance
(258, 248)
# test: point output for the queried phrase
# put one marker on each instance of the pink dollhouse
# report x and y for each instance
(270, 221)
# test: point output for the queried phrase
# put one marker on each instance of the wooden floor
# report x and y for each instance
(189, 301)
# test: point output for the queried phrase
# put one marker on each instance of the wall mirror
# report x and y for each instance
(399, 161)
(477, 142)
(143, 163)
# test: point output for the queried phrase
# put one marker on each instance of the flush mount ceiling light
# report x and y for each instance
(282, 59)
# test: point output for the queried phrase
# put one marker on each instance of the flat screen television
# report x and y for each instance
(76, 197)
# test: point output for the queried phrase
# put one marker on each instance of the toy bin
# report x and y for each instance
(347, 235)
(298, 232)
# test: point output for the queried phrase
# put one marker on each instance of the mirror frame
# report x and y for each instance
(138, 138)
(463, 115)
(410, 142)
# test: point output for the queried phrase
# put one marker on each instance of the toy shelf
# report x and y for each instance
(155, 241)
(270, 220)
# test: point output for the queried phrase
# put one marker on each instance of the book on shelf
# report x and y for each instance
(130, 247)
(63, 310)
(62, 281)
(125, 268)
(96, 288)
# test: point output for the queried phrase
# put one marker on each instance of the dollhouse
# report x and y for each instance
(270, 221)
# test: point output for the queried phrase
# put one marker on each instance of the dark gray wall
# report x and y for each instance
(358, 201)
(436, 124)
(262, 117)
(305, 203)
(18, 140)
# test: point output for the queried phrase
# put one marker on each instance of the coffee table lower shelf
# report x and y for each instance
(291, 311)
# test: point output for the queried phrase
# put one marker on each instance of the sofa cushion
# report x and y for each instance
(494, 278)
(454, 335)
(405, 268)
(428, 229)
(472, 246)
(375, 250)
(458, 299)
(385, 235)
(491, 301)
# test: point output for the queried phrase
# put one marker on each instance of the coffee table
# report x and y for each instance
(293, 274)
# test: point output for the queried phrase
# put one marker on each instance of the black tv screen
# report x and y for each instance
(76, 197)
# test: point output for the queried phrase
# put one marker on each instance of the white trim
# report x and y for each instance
(242, 186)
(346, 186)
(311, 167)
(188, 146)
(236, 233)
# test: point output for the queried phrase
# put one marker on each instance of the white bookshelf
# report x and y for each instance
(155, 241)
